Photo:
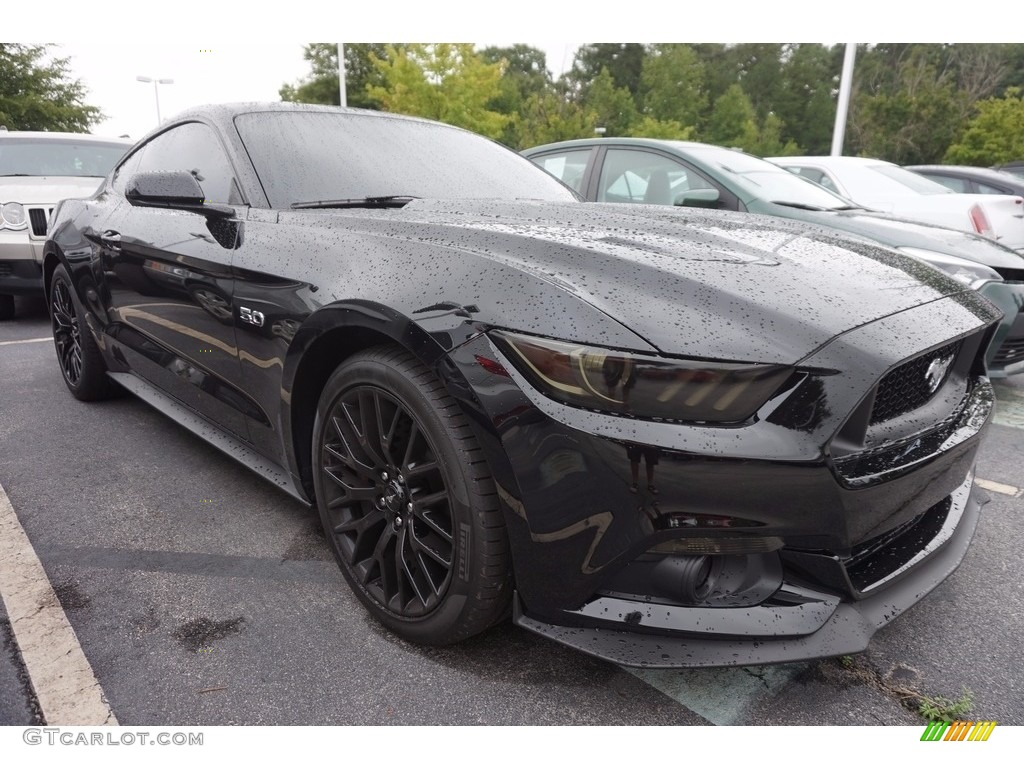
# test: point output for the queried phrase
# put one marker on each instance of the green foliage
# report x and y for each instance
(36, 95)
(321, 87)
(672, 84)
(651, 128)
(624, 62)
(548, 117)
(733, 122)
(941, 708)
(445, 81)
(995, 135)
(525, 77)
(613, 107)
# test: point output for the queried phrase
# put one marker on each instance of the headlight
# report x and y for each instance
(642, 387)
(12, 216)
(963, 271)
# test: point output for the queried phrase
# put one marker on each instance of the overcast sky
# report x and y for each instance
(217, 51)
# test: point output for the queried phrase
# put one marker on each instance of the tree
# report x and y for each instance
(447, 82)
(995, 135)
(672, 84)
(733, 121)
(612, 107)
(525, 78)
(40, 96)
(906, 106)
(805, 100)
(624, 62)
(549, 117)
(321, 87)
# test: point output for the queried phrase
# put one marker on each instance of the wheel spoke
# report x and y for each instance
(419, 546)
(432, 498)
(432, 525)
(404, 567)
(419, 469)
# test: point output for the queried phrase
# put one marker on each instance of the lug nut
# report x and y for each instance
(384, 476)
(408, 507)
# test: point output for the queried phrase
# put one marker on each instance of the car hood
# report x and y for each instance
(713, 285)
(895, 232)
(46, 190)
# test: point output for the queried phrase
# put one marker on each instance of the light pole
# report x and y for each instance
(156, 92)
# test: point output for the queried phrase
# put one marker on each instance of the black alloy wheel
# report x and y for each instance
(81, 362)
(407, 501)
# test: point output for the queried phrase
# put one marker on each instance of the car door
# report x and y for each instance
(167, 278)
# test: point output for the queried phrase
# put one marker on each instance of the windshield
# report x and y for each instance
(58, 157)
(909, 180)
(767, 181)
(303, 157)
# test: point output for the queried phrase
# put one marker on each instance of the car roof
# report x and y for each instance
(628, 141)
(64, 136)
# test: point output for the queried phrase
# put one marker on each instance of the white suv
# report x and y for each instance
(37, 170)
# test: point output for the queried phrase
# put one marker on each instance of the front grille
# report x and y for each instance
(1012, 351)
(5, 269)
(908, 387)
(37, 218)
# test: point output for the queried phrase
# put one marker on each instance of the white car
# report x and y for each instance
(38, 169)
(887, 187)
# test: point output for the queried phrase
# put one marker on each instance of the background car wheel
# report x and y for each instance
(6, 307)
(407, 500)
(80, 360)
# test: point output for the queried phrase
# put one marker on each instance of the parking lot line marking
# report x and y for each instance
(26, 341)
(64, 683)
(1003, 488)
(721, 696)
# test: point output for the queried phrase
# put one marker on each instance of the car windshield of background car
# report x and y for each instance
(53, 157)
(770, 182)
(309, 156)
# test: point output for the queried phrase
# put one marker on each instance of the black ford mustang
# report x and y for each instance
(664, 437)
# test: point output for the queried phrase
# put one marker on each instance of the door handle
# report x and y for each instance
(111, 239)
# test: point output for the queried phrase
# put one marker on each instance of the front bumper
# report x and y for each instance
(21, 258)
(765, 634)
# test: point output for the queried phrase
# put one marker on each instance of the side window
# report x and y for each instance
(569, 166)
(125, 170)
(194, 147)
(985, 189)
(635, 176)
(957, 185)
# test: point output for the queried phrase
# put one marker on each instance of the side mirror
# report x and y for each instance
(171, 189)
(700, 198)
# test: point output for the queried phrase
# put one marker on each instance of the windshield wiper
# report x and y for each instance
(386, 201)
(5, 175)
(848, 208)
(803, 206)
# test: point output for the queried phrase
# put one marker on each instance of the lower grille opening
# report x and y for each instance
(872, 561)
(911, 385)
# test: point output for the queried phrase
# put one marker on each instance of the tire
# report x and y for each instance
(407, 500)
(6, 307)
(80, 360)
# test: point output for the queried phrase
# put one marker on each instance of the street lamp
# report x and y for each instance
(156, 91)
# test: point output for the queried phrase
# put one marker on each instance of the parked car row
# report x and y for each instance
(468, 365)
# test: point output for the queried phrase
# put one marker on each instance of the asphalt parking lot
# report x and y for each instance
(201, 595)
